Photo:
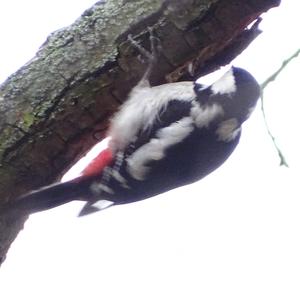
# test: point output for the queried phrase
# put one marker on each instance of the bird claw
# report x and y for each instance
(155, 46)
(152, 55)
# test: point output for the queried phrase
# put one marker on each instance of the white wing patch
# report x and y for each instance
(156, 147)
(202, 116)
(140, 110)
(228, 130)
(225, 85)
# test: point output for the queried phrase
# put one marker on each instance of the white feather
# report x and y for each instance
(203, 116)
(228, 130)
(98, 187)
(140, 110)
(225, 85)
(156, 147)
(102, 204)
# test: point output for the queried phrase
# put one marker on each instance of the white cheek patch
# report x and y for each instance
(203, 116)
(228, 130)
(156, 147)
(225, 85)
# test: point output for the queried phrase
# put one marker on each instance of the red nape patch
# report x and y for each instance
(96, 166)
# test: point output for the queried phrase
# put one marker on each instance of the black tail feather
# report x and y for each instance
(50, 196)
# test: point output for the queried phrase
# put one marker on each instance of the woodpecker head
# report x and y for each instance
(236, 92)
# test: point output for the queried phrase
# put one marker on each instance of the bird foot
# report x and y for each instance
(152, 55)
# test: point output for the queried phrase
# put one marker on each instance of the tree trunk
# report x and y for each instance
(58, 105)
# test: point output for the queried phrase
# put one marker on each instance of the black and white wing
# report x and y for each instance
(172, 152)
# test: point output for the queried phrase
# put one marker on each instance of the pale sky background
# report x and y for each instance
(233, 235)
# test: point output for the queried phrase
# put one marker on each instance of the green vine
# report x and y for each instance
(263, 86)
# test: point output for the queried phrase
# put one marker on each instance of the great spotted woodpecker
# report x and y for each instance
(163, 137)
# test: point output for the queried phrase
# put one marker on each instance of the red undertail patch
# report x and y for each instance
(97, 165)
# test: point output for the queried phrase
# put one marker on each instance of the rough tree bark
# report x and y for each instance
(58, 105)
